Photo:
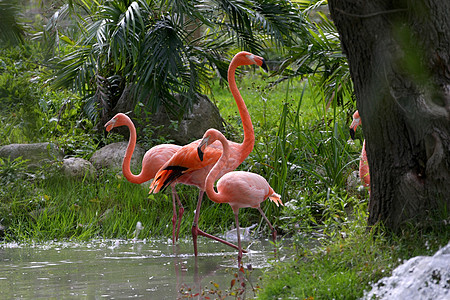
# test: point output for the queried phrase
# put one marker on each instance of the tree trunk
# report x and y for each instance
(398, 54)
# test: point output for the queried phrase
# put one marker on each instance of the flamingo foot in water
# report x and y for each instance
(274, 237)
(196, 231)
(180, 216)
(174, 221)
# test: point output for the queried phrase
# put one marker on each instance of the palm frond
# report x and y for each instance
(11, 27)
(278, 20)
(168, 50)
(318, 55)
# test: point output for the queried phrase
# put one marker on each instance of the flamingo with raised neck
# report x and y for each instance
(238, 188)
(186, 167)
(152, 161)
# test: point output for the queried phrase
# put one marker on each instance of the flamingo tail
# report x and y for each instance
(276, 199)
(166, 177)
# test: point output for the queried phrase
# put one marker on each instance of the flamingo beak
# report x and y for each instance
(200, 153)
(110, 124)
(255, 60)
(203, 143)
(264, 66)
(352, 133)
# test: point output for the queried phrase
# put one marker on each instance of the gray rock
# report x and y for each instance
(78, 168)
(111, 157)
(204, 115)
(37, 154)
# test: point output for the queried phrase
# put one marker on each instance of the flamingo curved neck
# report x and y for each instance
(249, 136)
(213, 174)
(126, 170)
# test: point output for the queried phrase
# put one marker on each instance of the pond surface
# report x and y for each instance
(112, 269)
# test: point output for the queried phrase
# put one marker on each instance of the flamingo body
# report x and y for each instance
(152, 161)
(186, 162)
(243, 189)
(364, 173)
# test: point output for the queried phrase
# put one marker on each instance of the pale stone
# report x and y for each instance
(111, 157)
(37, 154)
(78, 168)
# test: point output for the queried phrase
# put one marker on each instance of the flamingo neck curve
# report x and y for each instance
(126, 170)
(249, 135)
(213, 174)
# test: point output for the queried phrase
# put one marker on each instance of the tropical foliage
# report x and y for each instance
(162, 52)
(11, 26)
(157, 53)
(318, 55)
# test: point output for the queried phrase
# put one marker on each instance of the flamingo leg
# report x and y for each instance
(196, 231)
(174, 217)
(274, 232)
(180, 212)
(236, 218)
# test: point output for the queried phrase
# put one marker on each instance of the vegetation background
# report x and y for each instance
(64, 67)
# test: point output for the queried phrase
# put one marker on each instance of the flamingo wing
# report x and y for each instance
(156, 157)
(184, 161)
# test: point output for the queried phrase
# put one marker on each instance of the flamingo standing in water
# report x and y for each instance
(153, 160)
(363, 162)
(186, 167)
(238, 188)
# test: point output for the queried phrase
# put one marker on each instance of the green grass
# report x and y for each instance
(110, 206)
(290, 145)
(344, 266)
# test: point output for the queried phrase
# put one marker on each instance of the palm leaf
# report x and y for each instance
(318, 55)
(11, 27)
(167, 50)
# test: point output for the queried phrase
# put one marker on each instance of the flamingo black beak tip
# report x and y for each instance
(264, 65)
(200, 153)
(352, 133)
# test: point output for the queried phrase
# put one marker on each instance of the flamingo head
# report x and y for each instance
(356, 122)
(244, 58)
(210, 136)
(118, 120)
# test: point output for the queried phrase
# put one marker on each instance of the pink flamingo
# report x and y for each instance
(364, 174)
(186, 167)
(238, 188)
(151, 163)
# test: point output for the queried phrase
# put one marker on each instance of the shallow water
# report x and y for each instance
(148, 269)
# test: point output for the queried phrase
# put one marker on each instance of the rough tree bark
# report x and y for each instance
(399, 59)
